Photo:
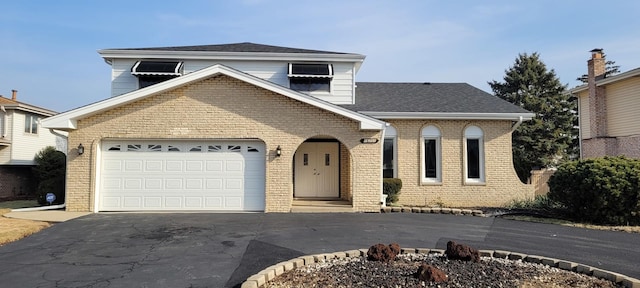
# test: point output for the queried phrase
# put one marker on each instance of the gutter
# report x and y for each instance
(517, 124)
(50, 207)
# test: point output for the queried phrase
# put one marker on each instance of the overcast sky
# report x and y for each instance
(48, 48)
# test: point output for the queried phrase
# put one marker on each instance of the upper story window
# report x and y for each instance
(31, 124)
(310, 77)
(154, 72)
(474, 154)
(431, 147)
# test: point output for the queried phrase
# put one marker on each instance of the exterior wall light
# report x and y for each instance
(278, 151)
(80, 149)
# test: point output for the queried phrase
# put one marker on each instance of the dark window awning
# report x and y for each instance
(310, 70)
(157, 68)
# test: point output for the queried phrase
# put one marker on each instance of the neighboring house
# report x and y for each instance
(608, 111)
(255, 127)
(21, 138)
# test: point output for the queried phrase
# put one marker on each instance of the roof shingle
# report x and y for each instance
(237, 47)
(428, 97)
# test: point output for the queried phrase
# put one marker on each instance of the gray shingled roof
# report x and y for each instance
(428, 97)
(236, 47)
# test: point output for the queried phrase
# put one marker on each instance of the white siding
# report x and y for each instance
(623, 104)
(24, 146)
(585, 132)
(274, 71)
(121, 79)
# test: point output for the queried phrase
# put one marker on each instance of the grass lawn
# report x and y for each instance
(630, 229)
(19, 204)
(16, 229)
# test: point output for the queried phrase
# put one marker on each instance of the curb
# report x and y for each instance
(271, 272)
(431, 210)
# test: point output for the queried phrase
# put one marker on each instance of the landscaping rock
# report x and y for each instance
(461, 252)
(430, 273)
(383, 253)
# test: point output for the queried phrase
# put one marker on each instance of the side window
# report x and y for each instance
(389, 163)
(431, 155)
(31, 124)
(474, 155)
(310, 77)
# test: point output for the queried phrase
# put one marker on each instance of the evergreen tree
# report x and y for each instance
(551, 136)
(50, 171)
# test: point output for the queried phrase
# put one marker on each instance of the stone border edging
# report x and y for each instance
(432, 210)
(271, 272)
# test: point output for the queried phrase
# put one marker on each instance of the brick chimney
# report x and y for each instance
(14, 94)
(597, 104)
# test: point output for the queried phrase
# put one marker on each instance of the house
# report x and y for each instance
(21, 138)
(254, 127)
(608, 111)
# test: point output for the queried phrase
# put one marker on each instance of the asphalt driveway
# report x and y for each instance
(221, 250)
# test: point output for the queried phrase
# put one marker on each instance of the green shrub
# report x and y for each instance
(601, 190)
(50, 172)
(391, 187)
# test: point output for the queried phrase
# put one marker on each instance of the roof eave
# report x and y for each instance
(608, 80)
(449, 115)
(216, 55)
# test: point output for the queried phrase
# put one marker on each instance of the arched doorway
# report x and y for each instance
(322, 170)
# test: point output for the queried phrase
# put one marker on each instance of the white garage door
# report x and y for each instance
(182, 175)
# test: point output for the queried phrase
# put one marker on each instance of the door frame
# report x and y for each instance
(339, 166)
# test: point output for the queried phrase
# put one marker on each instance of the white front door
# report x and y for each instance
(317, 170)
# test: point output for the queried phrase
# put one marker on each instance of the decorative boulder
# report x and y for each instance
(383, 253)
(462, 252)
(429, 273)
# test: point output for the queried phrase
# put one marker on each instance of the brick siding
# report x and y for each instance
(222, 107)
(16, 182)
(501, 186)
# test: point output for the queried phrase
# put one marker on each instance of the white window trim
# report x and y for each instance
(474, 132)
(392, 133)
(434, 134)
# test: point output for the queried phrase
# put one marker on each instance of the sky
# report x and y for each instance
(48, 49)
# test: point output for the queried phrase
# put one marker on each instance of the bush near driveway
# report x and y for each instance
(599, 190)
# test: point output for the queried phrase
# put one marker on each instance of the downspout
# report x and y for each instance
(383, 199)
(579, 128)
(51, 207)
(4, 121)
(517, 124)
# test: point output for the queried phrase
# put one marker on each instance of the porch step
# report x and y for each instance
(321, 206)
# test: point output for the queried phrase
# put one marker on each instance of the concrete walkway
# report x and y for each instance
(46, 215)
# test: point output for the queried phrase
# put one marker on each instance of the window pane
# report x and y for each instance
(309, 84)
(387, 156)
(27, 123)
(430, 162)
(34, 125)
(473, 158)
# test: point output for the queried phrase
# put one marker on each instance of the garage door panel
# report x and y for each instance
(173, 202)
(112, 165)
(182, 175)
(174, 165)
(133, 202)
(133, 165)
(194, 184)
(153, 183)
(152, 202)
(195, 166)
(132, 184)
(153, 166)
(175, 184)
